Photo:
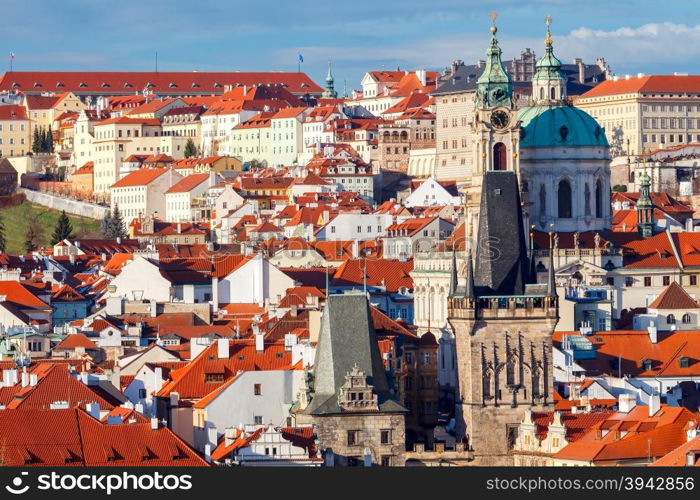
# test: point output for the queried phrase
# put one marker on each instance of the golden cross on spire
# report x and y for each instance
(548, 21)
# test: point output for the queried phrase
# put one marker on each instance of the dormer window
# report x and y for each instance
(647, 364)
(195, 85)
(172, 85)
(37, 84)
(15, 85)
(104, 85)
(127, 85)
(82, 85)
(684, 362)
(59, 85)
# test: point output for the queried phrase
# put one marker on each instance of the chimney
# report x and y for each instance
(157, 378)
(229, 436)
(222, 348)
(25, 379)
(179, 227)
(154, 308)
(692, 431)
(625, 402)
(654, 404)
(9, 378)
(214, 293)
(174, 399)
(652, 333)
(33, 379)
(259, 341)
(154, 424)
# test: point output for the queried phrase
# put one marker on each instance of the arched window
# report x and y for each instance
(541, 92)
(686, 319)
(564, 199)
(587, 199)
(598, 199)
(500, 158)
(670, 319)
(552, 93)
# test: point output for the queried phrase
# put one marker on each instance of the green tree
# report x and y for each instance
(63, 229)
(107, 226)
(3, 239)
(32, 237)
(190, 149)
(620, 188)
(43, 142)
(49, 140)
(36, 141)
(113, 225)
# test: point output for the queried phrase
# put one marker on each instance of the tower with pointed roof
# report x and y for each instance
(502, 324)
(645, 207)
(495, 130)
(564, 157)
(329, 92)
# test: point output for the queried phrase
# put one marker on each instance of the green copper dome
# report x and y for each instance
(559, 126)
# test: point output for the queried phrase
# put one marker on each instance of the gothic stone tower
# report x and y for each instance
(495, 129)
(503, 328)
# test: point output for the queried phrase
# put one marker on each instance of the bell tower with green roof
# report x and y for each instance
(645, 207)
(330, 92)
(495, 127)
(495, 85)
(548, 83)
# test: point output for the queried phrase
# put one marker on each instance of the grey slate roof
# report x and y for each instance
(347, 338)
(465, 76)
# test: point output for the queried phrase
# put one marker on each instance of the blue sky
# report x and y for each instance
(632, 35)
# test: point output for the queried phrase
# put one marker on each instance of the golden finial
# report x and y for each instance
(548, 21)
(493, 16)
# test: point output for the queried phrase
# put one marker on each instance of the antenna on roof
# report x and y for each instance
(156, 61)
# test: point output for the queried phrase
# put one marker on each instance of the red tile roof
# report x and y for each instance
(392, 274)
(190, 382)
(188, 183)
(127, 82)
(674, 296)
(13, 112)
(19, 295)
(140, 177)
(650, 84)
(76, 340)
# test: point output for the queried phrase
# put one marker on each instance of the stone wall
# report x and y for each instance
(332, 432)
(73, 207)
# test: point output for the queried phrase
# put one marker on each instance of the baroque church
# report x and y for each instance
(543, 167)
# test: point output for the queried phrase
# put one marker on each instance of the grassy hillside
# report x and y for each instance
(16, 222)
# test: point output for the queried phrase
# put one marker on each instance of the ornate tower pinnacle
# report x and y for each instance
(548, 83)
(495, 85)
(330, 92)
(645, 207)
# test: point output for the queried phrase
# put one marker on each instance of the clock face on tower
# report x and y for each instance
(499, 119)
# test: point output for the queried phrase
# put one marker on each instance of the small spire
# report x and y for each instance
(548, 39)
(330, 92)
(453, 270)
(469, 285)
(551, 283)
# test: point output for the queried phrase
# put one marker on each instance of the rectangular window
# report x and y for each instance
(666, 280)
(257, 419)
(386, 460)
(693, 279)
(353, 438)
(385, 436)
(257, 389)
(647, 280)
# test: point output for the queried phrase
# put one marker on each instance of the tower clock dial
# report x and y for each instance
(499, 119)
